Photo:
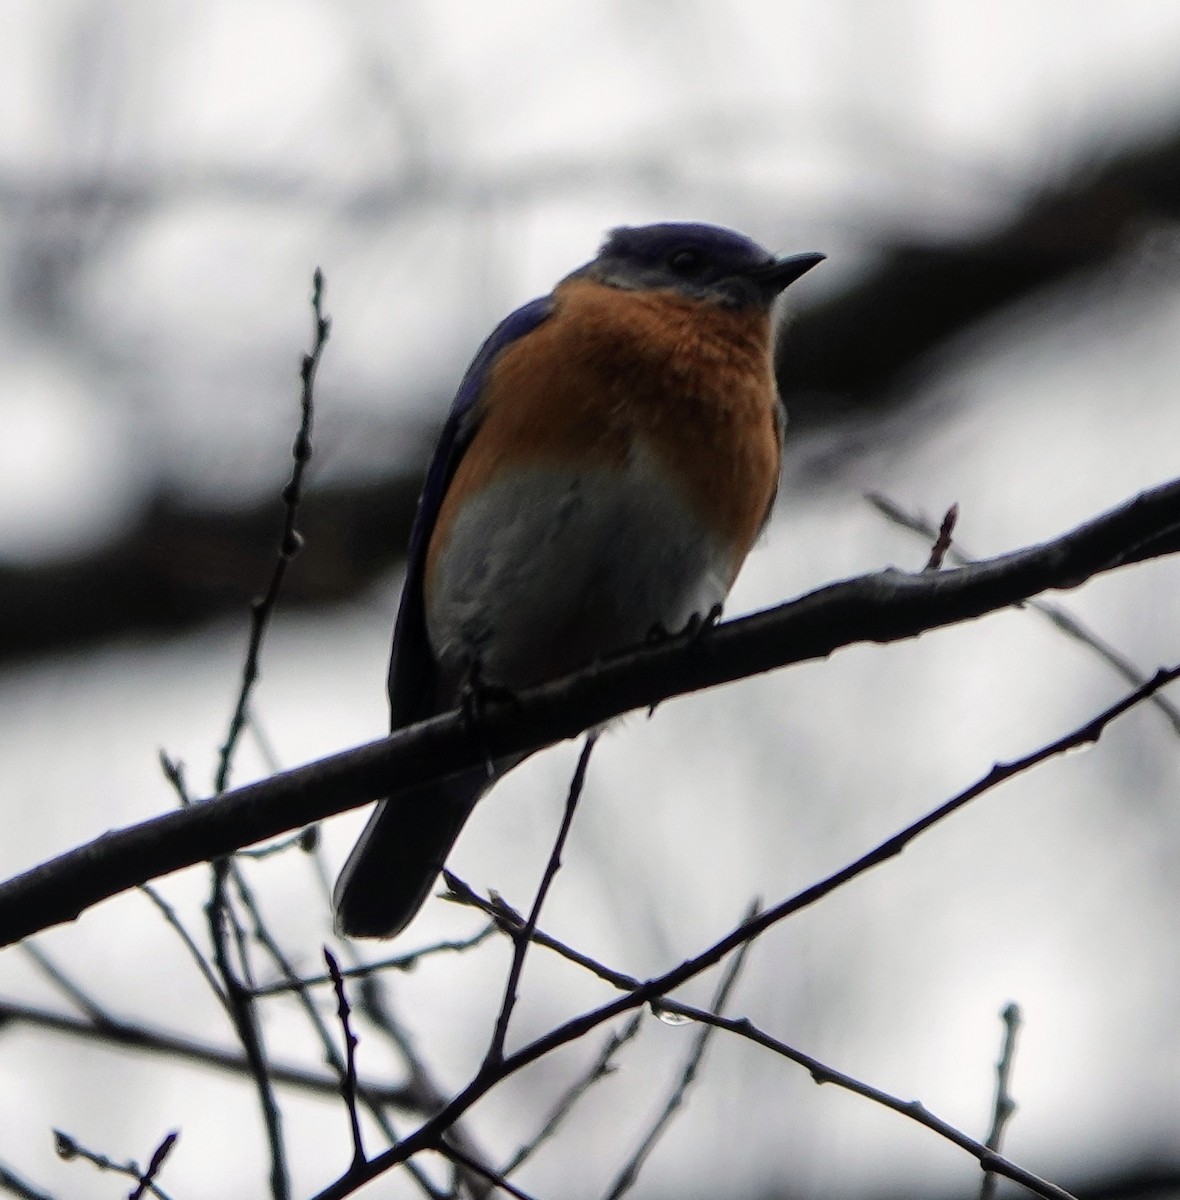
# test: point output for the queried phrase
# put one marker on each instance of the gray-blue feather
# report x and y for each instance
(411, 665)
(398, 856)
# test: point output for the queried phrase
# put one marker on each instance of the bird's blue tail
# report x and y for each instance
(399, 855)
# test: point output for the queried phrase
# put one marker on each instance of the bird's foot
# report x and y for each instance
(474, 698)
(694, 628)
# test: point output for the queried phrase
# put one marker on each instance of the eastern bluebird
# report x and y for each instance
(610, 458)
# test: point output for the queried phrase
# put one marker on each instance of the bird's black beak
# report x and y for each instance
(782, 272)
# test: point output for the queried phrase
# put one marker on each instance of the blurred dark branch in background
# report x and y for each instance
(850, 356)
(854, 352)
(179, 565)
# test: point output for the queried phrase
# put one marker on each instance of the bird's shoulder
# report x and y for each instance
(410, 666)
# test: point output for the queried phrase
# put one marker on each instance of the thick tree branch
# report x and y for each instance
(884, 607)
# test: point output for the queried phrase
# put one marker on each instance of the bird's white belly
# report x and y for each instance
(548, 570)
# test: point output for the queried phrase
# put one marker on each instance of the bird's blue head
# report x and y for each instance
(704, 262)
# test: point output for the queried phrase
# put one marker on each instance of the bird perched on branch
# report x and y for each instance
(610, 458)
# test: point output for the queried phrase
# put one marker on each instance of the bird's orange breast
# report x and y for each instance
(612, 373)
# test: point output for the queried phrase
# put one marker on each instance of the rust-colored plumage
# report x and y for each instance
(613, 371)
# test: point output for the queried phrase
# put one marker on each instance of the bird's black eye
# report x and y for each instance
(686, 261)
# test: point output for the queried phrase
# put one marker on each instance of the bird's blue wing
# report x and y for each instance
(411, 665)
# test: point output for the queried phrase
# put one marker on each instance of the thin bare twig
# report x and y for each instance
(626, 1178)
(244, 1017)
(97, 1014)
(68, 1148)
(153, 1169)
(234, 997)
(1004, 1105)
(373, 1098)
(820, 1071)
(509, 921)
(475, 1166)
(942, 543)
(290, 540)
(428, 1135)
(173, 770)
(304, 840)
(410, 1097)
(195, 952)
(264, 745)
(220, 910)
(421, 1084)
(157, 1041)
(627, 983)
(348, 1081)
(602, 1066)
(428, 1097)
(1058, 616)
(495, 1054)
(990, 1160)
(396, 962)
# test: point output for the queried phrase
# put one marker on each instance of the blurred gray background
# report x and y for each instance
(997, 185)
